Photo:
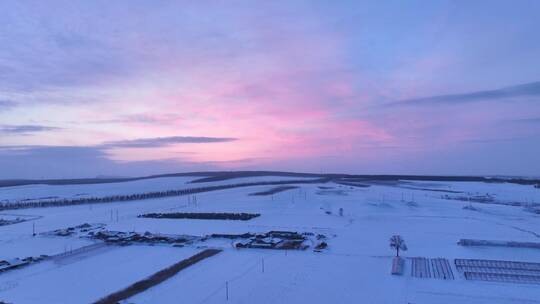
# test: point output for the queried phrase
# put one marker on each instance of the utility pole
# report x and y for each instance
(262, 265)
(227, 290)
(33, 229)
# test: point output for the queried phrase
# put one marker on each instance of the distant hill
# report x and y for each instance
(212, 176)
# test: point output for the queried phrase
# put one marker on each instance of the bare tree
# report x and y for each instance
(397, 243)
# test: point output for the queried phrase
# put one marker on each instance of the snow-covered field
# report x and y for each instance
(86, 277)
(44, 192)
(354, 269)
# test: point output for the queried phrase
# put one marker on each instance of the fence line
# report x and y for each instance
(243, 274)
(78, 250)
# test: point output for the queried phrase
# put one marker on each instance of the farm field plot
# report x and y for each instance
(291, 278)
(85, 278)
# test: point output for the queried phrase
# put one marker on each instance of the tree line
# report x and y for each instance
(141, 196)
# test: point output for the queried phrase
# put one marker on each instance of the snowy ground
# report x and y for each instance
(354, 269)
(44, 192)
(86, 277)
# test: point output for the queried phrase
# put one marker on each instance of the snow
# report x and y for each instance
(354, 269)
(72, 191)
(36, 192)
(87, 277)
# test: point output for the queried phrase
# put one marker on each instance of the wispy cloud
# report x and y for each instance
(142, 119)
(6, 104)
(523, 90)
(533, 120)
(493, 140)
(164, 141)
(75, 162)
(132, 143)
(25, 129)
(123, 83)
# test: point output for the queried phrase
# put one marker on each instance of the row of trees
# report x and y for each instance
(139, 196)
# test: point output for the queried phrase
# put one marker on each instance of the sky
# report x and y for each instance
(127, 88)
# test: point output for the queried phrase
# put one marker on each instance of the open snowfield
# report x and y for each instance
(86, 277)
(43, 192)
(355, 268)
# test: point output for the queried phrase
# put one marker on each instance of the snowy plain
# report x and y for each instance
(354, 269)
(42, 191)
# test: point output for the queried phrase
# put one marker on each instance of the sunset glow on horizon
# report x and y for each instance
(354, 87)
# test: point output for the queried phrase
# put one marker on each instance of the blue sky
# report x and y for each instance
(140, 87)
